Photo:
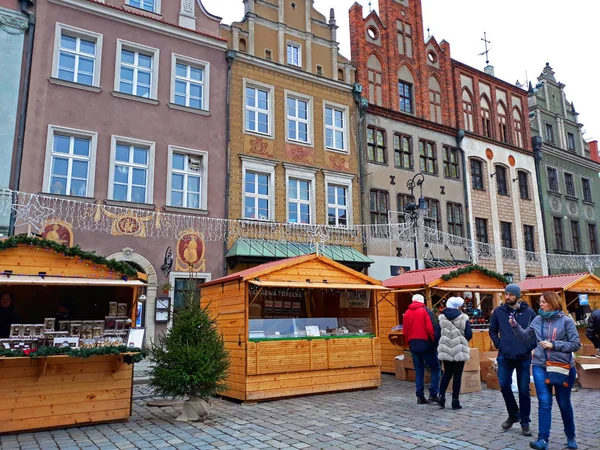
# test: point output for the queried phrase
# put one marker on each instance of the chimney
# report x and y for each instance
(594, 156)
(489, 69)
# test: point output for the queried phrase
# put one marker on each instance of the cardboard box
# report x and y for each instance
(486, 361)
(408, 361)
(471, 382)
(400, 369)
(492, 381)
(473, 363)
(588, 372)
(411, 375)
(587, 350)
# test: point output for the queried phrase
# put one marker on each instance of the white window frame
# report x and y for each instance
(309, 121)
(157, 6)
(298, 47)
(303, 174)
(206, 276)
(199, 64)
(77, 33)
(264, 167)
(92, 135)
(271, 115)
(139, 48)
(203, 155)
(114, 140)
(339, 179)
(346, 111)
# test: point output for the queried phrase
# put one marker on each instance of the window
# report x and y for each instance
(477, 174)
(187, 185)
(189, 82)
(402, 201)
(451, 162)
(435, 101)
(455, 219)
(467, 111)
(552, 179)
(183, 286)
(147, 5)
(569, 184)
(376, 151)
(300, 184)
(77, 55)
(486, 121)
(433, 218)
(403, 156)
(405, 93)
(587, 190)
(70, 162)
(259, 185)
(298, 119)
(335, 128)
(427, 157)
(528, 232)
(259, 107)
(501, 180)
(523, 184)
(132, 166)
(506, 234)
(518, 127)
(404, 38)
(378, 205)
(294, 54)
(576, 236)
(559, 234)
(502, 124)
(339, 199)
(375, 74)
(137, 68)
(549, 133)
(481, 230)
(593, 239)
(570, 141)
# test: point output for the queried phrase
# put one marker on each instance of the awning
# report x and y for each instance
(16, 280)
(306, 284)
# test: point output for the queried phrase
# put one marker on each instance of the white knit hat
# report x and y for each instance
(455, 302)
(418, 298)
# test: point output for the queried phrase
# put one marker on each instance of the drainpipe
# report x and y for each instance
(24, 96)
(536, 142)
(362, 104)
(230, 56)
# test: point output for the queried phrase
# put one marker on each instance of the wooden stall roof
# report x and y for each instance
(573, 282)
(28, 280)
(418, 278)
(295, 272)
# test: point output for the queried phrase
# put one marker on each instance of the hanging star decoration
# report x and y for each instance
(318, 236)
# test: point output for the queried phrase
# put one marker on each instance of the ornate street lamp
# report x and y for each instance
(415, 210)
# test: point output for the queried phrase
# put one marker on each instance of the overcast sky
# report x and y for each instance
(524, 35)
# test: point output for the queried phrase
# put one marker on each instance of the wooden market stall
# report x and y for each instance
(47, 389)
(297, 326)
(480, 288)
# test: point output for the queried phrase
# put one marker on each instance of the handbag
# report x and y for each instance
(557, 374)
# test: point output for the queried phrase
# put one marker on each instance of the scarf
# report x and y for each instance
(547, 315)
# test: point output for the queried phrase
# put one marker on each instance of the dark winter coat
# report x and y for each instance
(502, 335)
(592, 332)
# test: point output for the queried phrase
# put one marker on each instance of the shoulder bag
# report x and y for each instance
(557, 374)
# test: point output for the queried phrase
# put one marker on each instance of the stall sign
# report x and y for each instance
(583, 300)
(354, 299)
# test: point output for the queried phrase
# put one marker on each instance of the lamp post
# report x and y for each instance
(415, 210)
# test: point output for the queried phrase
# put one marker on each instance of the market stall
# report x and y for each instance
(66, 340)
(297, 326)
(478, 286)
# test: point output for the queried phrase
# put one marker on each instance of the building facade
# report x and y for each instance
(569, 170)
(126, 110)
(292, 151)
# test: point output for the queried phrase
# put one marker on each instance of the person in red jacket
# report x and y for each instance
(419, 333)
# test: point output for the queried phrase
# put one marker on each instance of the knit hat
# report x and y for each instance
(455, 302)
(418, 298)
(513, 289)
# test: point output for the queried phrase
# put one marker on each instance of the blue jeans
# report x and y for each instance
(505, 372)
(563, 398)
(429, 357)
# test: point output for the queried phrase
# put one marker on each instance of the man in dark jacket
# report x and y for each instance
(418, 331)
(592, 331)
(513, 355)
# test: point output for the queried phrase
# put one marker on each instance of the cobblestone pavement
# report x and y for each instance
(385, 418)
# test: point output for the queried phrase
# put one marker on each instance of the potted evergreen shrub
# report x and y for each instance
(191, 361)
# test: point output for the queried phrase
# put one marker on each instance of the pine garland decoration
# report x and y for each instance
(42, 352)
(474, 267)
(74, 252)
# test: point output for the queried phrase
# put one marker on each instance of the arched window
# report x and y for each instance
(435, 100)
(467, 110)
(375, 80)
(518, 127)
(405, 90)
(486, 117)
(502, 124)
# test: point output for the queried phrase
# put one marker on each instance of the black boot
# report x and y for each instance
(442, 401)
(421, 400)
(456, 404)
(434, 399)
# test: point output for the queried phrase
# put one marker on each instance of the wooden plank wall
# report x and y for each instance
(315, 270)
(227, 304)
(66, 392)
(387, 320)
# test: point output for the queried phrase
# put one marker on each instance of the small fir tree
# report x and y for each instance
(191, 359)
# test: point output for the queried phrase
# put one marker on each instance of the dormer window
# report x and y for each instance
(146, 5)
(294, 54)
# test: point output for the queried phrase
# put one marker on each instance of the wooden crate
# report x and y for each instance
(62, 391)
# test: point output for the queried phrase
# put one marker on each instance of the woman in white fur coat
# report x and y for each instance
(453, 333)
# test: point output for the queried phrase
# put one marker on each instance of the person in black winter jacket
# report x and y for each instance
(592, 331)
(513, 354)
